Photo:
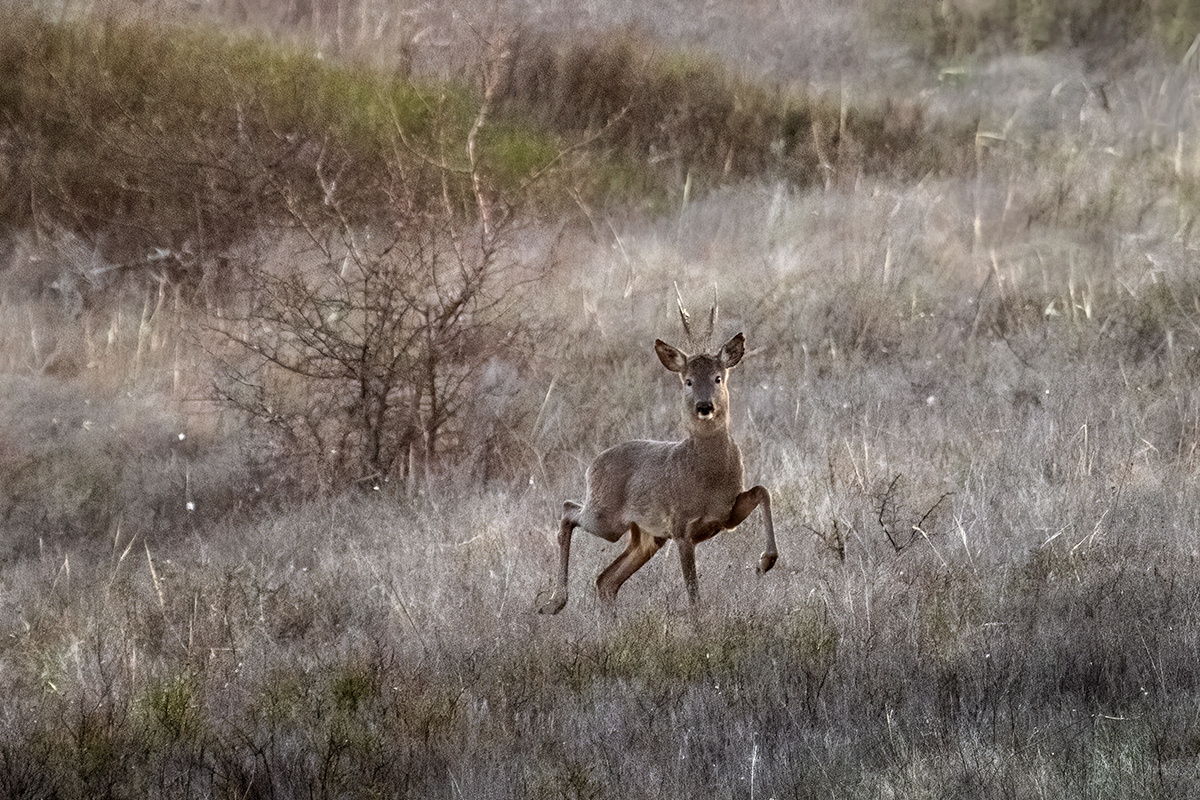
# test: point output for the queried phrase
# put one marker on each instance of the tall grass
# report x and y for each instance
(688, 112)
(960, 29)
(972, 393)
(357, 658)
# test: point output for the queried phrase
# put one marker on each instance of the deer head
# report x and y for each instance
(704, 379)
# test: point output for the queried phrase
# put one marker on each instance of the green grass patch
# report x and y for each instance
(142, 136)
(191, 138)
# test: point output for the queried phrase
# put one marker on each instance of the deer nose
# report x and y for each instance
(704, 410)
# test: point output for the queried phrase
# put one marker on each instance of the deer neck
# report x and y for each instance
(710, 441)
(713, 459)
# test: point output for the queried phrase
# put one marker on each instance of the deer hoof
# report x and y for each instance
(554, 606)
(766, 561)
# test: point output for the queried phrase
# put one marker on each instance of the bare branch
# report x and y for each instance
(835, 539)
(889, 519)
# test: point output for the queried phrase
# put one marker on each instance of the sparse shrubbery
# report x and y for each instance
(146, 139)
(361, 367)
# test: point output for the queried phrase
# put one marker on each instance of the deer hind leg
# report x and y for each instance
(641, 548)
(746, 502)
(570, 519)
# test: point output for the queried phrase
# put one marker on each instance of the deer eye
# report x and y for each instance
(717, 379)
(687, 382)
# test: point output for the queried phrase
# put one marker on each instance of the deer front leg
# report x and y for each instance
(570, 519)
(687, 560)
(696, 531)
(746, 502)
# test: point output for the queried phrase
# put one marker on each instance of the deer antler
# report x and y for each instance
(685, 318)
(712, 321)
(695, 343)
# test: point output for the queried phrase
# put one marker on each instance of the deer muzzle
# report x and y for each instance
(704, 410)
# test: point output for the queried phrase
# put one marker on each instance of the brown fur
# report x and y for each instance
(685, 491)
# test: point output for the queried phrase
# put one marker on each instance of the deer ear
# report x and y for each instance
(732, 351)
(672, 359)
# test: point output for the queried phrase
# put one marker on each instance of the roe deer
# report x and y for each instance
(686, 491)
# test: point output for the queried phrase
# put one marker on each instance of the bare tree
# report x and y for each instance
(361, 355)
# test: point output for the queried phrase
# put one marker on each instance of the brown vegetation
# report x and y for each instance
(974, 397)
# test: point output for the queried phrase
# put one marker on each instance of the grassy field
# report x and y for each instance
(301, 358)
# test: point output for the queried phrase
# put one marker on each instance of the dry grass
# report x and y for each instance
(971, 392)
(326, 649)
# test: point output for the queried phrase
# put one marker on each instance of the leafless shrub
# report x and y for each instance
(365, 363)
(363, 360)
(903, 528)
